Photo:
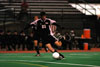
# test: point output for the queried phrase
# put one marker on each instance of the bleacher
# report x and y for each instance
(80, 1)
(59, 10)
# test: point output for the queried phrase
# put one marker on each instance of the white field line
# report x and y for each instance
(73, 64)
(44, 57)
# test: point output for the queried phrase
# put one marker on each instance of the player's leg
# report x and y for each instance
(36, 47)
(58, 43)
(55, 40)
(53, 50)
(0, 46)
(40, 44)
(50, 47)
(36, 39)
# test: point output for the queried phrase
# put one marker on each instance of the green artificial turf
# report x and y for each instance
(74, 59)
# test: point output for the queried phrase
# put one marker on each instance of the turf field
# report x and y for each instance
(73, 59)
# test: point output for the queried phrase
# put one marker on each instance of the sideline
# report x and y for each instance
(43, 51)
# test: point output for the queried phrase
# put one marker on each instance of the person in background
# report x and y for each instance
(16, 40)
(23, 16)
(22, 40)
(68, 40)
(8, 41)
(24, 5)
(2, 41)
(29, 41)
(72, 41)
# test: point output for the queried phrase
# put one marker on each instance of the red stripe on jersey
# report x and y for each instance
(53, 28)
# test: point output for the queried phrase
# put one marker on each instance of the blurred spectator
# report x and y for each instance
(24, 5)
(22, 40)
(8, 40)
(2, 40)
(23, 16)
(1, 43)
(68, 40)
(16, 40)
(29, 41)
(72, 35)
(73, 42)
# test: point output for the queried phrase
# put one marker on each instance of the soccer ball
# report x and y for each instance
(55, 55)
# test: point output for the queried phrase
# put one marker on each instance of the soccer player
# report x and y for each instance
(43, 31)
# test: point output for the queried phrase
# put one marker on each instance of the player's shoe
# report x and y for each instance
(61, 57)
(46, 49)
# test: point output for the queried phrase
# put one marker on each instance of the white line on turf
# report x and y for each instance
(39, 57)
(24, 56)
(83, 54)
(73, 64)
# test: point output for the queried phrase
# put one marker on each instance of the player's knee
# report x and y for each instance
(35, 42)
(58, 43)
(40, 44)
(50, 47)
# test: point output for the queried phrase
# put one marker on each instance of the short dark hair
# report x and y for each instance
(42, 13)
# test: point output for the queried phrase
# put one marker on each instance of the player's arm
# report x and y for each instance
(27, 26)
(32, 24)
(53, 22)
(57, 25)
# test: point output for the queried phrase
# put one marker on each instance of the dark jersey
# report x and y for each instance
(43, 27)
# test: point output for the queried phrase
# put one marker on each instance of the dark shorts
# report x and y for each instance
(44, 38)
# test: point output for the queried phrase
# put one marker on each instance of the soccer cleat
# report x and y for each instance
(61, 57)
(46, 49)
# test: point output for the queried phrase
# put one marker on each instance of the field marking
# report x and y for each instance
(26, 63)
(39, 57)
(35, 64)
(73, 64)
(31, 64)
(82, 54)
(24, 56)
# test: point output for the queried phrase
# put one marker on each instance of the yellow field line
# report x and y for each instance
(30, 64)
(34, 64)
